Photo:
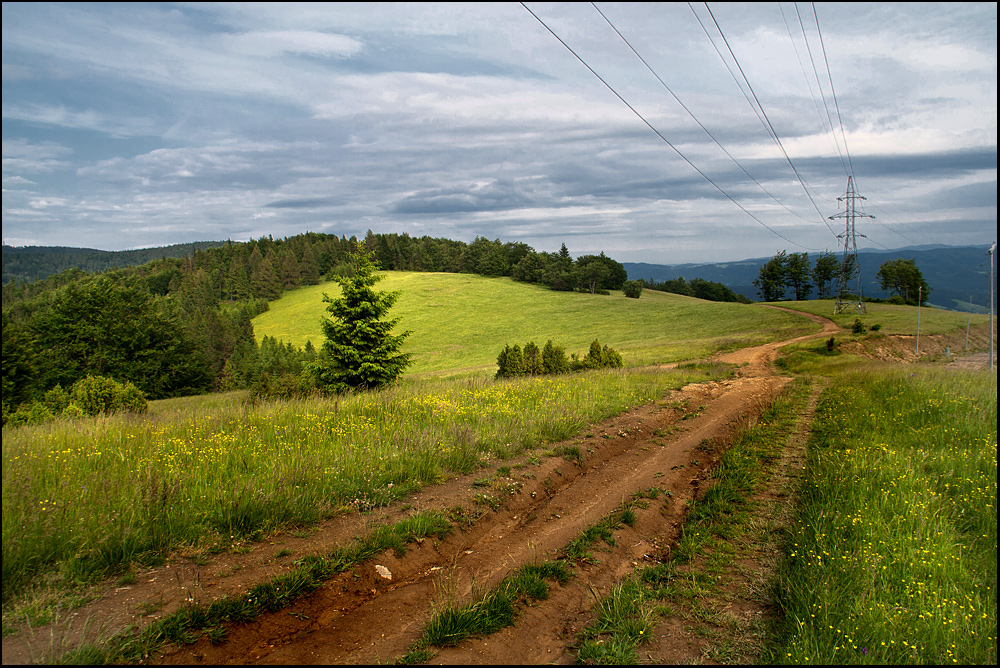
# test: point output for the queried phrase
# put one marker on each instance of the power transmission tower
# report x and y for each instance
(848, 295)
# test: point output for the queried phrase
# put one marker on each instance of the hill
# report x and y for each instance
(34, 263)
(955, 273)
(460, 321)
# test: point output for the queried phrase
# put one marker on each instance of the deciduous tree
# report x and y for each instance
(770, 281)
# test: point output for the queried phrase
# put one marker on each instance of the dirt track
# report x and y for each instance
(363, 617)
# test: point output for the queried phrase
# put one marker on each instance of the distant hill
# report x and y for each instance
(955, 273)
(34, 263)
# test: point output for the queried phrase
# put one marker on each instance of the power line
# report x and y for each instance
(695, 118)
(658, 134)
(812, 61)
(766, 120)
(833, 92)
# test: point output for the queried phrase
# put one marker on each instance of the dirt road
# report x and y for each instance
(365, 617)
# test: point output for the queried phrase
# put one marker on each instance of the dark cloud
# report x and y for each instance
(305, 203)
(496, 196)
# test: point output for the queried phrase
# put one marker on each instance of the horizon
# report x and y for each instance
(143, 125)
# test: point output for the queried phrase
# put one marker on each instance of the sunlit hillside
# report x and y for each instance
(459, 322)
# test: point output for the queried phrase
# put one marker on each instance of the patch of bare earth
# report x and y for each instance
(365, 617)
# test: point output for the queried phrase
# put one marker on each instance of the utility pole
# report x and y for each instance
(850, 268)
(990, 252)
(968, 321)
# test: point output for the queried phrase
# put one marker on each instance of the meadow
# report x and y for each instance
(102, 496)
(893, 557)
(893, 318)
(460, 322)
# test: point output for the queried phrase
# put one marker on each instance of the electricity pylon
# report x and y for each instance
(848, 295)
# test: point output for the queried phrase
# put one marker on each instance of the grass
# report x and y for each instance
(894, 319)
(94, 498)
(894, 556)
(461, 321)
(487, 612)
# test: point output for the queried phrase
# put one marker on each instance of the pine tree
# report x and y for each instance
(360, 351)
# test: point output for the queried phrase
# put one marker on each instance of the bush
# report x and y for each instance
(283, 386)
(633, 289)
(554, 359)
(512, 362)
(30, 412)
(97, 395)
(533, 360)
(858, 327)
(56, 400)
(599, 357)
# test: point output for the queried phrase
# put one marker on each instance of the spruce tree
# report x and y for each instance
(360, 350)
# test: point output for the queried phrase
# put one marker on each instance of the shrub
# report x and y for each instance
(633, 289)
(599, 357)
(858, 327)
(99, 395)
(510, 362)
(283, 385)
(30, 412)
(554, 359)
(533, 360)
(56, 400)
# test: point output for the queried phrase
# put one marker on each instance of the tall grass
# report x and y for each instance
(92, 498)
(894, 557)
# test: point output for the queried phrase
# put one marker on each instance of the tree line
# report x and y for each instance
(900, 279)
(179, 326)
(697, 287)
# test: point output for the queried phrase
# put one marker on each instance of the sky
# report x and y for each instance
(661, 133)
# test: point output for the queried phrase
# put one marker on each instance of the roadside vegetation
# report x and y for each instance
(93, 498)
(893, 557)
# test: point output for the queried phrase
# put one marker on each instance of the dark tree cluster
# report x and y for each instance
(513, 361)
(903, 282)
(794, 272)
(699, 288)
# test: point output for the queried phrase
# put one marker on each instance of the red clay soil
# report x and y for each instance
(365, 617)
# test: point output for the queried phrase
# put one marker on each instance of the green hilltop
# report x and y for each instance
(461, 321)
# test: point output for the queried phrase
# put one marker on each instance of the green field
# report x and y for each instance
(892, 558)
(461, 321)
(894, 319)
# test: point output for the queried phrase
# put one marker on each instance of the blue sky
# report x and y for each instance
(137, 125)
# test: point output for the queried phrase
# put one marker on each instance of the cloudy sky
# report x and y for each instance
(137, 125)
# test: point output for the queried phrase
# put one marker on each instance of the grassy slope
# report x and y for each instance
(461, 321)
(893, 318)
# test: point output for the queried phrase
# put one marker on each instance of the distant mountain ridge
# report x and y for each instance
(955, 273)
(35, 263)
